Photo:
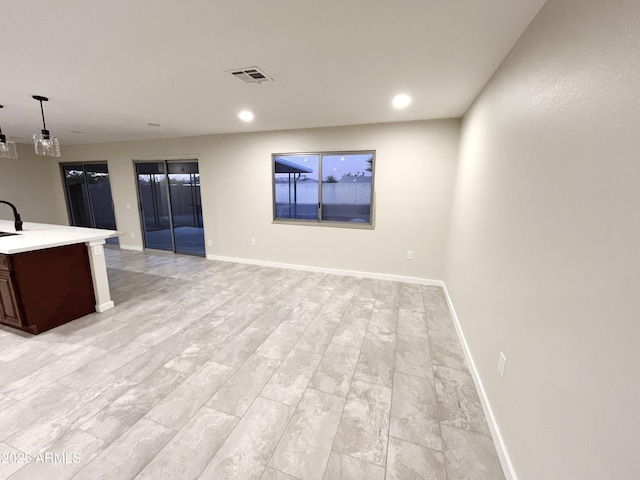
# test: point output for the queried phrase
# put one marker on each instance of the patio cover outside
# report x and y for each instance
(285, 166)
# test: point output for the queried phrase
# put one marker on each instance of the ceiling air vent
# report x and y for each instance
(250, 75)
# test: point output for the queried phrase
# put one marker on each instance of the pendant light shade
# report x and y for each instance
(7, 147)
(44, 143)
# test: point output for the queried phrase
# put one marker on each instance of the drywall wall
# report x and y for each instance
(30, 183)
(543, 261)
(414, 176)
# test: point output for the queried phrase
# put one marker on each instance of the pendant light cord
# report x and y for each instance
(42, 110)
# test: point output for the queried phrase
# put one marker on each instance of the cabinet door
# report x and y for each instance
(9, 312)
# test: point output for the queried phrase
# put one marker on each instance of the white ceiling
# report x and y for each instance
(110, 67)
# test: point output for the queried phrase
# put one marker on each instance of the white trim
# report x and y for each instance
(498, 441)
(334, 271)
(132, 247)
(105, 306)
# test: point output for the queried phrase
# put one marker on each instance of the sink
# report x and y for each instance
(6, 234)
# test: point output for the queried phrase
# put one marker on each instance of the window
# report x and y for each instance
(324, 187)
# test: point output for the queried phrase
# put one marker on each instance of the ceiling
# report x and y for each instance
(111, 67)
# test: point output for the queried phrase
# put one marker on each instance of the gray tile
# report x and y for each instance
(360, 307)
(305, 446)
(273, 474)
(183, 402)
(376, 362)
(458, 402)
(22, 414)
(368, 288)
(363, 430)
(383, 324)
(16, 460)
(242, 318)
(30, 384)
(412, 323)
(239, 391)
(414, 411)
(388, 294)
(125, 457)
(193, 316)
(304, 313)
(111, 422)
(413, 356)
(198, 353)
(411, 297)
(78, 448)
(6, 401)
(336, 305)
(189, 452)
(408, 461)
(100, 368)
(281, 341)
(344, 467)
(246, 451)
(289, 382)
(239, 348)
(350, 332)
(317, 335)
(68, 414)
(446, 350)
(273, 316)
(437, 309)
(335, 371)
(470, 455)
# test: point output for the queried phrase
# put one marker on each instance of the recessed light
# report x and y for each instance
(401, 100)
(154, 124)
(245, 115)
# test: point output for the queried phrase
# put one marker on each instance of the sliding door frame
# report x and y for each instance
(167, 187)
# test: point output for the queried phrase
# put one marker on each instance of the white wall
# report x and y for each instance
(544, 255)
(415, 169)
(30, 182)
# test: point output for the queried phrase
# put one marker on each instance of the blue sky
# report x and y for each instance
(336, 165)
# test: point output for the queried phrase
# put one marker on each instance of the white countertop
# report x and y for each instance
(38, 236)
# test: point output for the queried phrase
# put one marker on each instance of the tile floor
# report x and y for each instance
(218, 370)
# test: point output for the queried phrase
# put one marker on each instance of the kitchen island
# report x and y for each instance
(51, 274)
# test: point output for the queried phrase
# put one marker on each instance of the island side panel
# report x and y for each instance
(54, 286)
(99, 274)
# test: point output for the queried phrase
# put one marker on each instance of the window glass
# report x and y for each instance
(346, 187)
(324, 187)
(296, 186)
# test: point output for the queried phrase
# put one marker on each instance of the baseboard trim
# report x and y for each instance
(132, 247)
(103, 307)
(334, 271)
(503, 454)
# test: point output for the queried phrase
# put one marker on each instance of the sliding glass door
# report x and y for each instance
(88, 192)
(171, 206)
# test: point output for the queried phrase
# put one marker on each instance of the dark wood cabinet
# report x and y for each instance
(9, 311)
(42, 289)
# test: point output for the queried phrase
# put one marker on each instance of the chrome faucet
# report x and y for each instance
(16, 215)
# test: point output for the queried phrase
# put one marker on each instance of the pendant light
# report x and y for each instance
(44, 143)
(7, 147)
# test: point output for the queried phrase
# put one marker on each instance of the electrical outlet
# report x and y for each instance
(209, 243)
(128, 206)
(253, 242)
(502, 360)
(133, 235)
(409, 254)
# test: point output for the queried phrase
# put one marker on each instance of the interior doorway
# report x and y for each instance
(171, 206)
(88, 193)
